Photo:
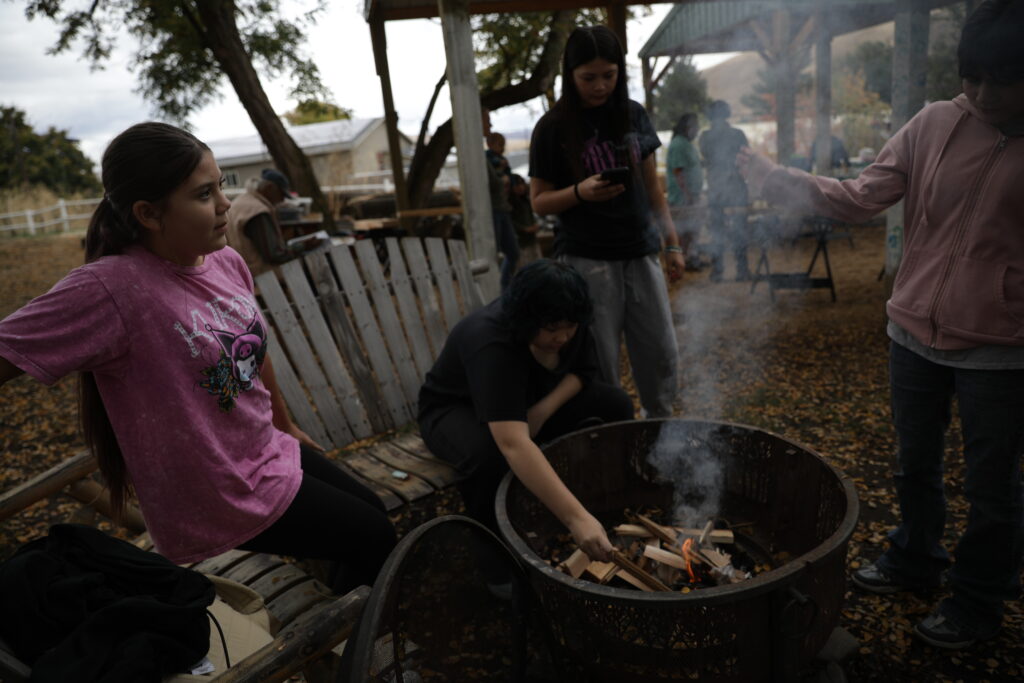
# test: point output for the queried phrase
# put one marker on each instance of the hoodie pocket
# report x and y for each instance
(1011, 292)
(985, 298)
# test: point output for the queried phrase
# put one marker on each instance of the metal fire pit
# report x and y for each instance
(767, 628)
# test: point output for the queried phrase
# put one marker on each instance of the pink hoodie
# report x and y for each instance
(961, 280)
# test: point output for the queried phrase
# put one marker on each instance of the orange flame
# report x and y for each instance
(687, 544)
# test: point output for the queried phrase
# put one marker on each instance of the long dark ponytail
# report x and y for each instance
(585, 44)
(144, 163)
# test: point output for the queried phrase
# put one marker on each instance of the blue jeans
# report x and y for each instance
(989, 554)
(507, 243)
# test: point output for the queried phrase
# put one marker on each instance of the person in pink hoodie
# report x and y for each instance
(956, 323)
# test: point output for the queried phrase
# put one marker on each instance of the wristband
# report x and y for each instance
(576, 191)
(674, 249)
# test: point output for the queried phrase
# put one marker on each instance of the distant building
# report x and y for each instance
(349, 152)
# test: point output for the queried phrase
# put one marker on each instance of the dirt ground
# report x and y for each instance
(802, 366)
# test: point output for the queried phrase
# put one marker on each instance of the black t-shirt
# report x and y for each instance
(620, 228)
(481, 364)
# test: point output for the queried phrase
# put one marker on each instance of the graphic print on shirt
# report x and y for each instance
(241, 356)
(600, 155)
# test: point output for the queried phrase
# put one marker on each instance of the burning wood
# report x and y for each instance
(636, 572)
(654, 557)
(720, 536)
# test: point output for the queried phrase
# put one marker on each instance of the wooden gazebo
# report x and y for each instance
(778, 29)
(462, 84)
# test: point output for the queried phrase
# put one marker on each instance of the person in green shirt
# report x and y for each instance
(685, 182)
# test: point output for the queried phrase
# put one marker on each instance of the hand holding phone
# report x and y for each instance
(617, 176)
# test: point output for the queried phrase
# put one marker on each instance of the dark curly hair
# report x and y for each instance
(545, 292)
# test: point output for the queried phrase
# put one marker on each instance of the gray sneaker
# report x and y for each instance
(942, 631)
(874, 579)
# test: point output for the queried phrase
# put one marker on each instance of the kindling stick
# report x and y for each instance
(634, 570)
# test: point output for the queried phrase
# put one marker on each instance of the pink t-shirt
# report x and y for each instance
(176, 353)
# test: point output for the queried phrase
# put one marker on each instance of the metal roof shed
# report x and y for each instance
(782, 31)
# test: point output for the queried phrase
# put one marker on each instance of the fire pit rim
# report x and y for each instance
(765, 582)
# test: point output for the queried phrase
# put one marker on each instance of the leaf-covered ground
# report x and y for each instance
(803, 367)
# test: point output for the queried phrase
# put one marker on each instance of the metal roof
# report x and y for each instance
(312, 138)
(706, 26)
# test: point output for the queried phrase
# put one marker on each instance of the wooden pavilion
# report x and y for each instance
(779, 29)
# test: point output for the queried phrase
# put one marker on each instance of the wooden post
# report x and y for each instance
(909, 78)
(785, 87)
(648, 75)
(30, 221)
(62, 207)
(617, 23)
(378, 38)
(467, 127)
(823, 97)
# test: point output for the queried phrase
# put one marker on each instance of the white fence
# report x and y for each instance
(64, 216)
(74, 214)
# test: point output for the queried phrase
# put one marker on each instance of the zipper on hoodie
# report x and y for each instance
(958, 237)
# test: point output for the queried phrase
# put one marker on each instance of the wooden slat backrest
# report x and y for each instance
(443, 275)
(394, 335)
(412, 320)
(294, 395)
(471, 298)
(295, 342)
(416, 259)
(369, 331)
(344, 332)
(304, 300)
(354, 364)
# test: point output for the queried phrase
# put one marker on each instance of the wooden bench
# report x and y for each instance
(352, 336)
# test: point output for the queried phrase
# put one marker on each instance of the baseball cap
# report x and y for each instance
(279, 179)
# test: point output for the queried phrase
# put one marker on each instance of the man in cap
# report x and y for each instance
(253, 227)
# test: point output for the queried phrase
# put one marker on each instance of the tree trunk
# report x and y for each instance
(429, 159)
(223, 39)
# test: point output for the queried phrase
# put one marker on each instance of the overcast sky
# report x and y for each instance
(94, 106)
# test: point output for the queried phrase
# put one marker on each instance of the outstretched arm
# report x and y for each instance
(8, 371)
(282, 418)
(533, 469)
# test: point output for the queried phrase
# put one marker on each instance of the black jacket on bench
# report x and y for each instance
(80, 605)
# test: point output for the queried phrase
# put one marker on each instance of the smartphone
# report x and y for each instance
(618, 175)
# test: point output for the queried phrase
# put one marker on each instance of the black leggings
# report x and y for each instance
(333, 517)
(461, 439)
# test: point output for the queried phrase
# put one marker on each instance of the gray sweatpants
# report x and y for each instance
(631, 297)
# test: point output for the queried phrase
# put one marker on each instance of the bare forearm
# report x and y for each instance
(551, 201)
(528, 463)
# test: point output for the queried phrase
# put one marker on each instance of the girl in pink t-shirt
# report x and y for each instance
(178, 400)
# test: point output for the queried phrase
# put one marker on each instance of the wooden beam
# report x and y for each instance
(500, 7)
(646, 67)
(304, 640)
(664, 70)
(467, 126)
(823, 100)
(49, 482)
(617, 23)
(378, 38)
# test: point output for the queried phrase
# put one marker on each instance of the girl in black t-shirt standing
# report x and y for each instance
(610, 227)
